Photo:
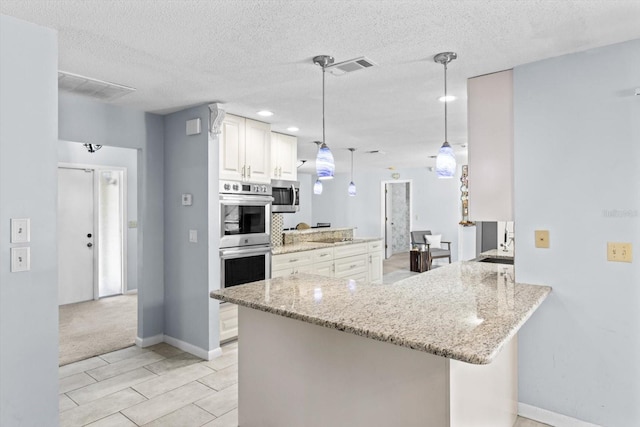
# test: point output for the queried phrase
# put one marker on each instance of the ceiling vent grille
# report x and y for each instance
(104, 91)
(344, 67)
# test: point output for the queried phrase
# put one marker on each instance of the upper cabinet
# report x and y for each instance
(490, 127)
(284, 157)
(245, 150)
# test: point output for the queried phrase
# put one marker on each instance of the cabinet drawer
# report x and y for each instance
(324, 268)
(322, 255)
(352, 266)
(375, 246)
(295, 259)
(349, 250)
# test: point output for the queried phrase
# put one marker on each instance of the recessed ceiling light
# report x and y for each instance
(265, 113)
(447, 98)
(293, 129)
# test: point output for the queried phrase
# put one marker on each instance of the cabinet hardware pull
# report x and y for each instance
(249, 168)
(293, 260)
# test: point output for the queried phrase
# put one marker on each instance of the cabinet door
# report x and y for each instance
(282, 272)
(231, 151)
(375, 267)
(228, 321)
(275, 150)
(287, 157)
(354, 267)
(257, 151)
(324, 268)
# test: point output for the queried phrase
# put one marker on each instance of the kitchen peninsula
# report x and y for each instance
(435, 349)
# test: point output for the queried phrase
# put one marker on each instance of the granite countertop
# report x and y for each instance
(496, 253)
(465, 311)
(308, 246)
(317, 230)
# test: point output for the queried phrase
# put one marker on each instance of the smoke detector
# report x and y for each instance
(104, 91)
(349, 66)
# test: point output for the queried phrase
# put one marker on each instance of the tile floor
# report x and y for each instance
(158, 386)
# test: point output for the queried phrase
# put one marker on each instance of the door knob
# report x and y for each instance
(89, 245)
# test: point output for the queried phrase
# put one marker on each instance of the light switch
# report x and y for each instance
(20, 230)
(193, 236)
(187, 199)
(20, 259)
(619, 252)
(542, 238)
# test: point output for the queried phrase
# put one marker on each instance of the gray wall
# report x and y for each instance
(28, 189)
(577, 154)
(73, 152)
(186, 269)
(82, 119)
(436, 203)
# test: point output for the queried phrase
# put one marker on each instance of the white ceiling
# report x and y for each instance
(254, 55)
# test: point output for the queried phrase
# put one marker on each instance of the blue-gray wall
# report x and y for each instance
(28, 189)
(82, 119)
(76, 153)
(186, 268)
(577, 174)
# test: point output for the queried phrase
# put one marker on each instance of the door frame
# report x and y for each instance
(383, 207)
(123, 215)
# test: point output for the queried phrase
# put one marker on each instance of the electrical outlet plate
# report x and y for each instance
(619, 252)
(542, 238)
(20, 230)
(20, 259)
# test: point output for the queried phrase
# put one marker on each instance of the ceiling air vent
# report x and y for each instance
(104, 91)
(349, 66)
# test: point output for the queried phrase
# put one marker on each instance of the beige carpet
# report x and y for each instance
(92, 328)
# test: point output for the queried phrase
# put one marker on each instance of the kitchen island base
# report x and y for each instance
(293, 373)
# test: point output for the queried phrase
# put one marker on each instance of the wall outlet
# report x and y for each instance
(193, 236)
(542, 238)
(20, 230)
(619, 252)
(20, 259)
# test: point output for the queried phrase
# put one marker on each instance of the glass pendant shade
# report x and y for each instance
(325, 166)
(446, 162)
(352, 189)
(317, 187)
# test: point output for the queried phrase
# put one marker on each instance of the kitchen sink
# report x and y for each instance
(494, 260)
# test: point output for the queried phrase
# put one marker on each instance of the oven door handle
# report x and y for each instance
(229, 253)
(248, 200)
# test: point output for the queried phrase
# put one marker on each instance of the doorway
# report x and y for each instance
(91, 238)
(396, 217)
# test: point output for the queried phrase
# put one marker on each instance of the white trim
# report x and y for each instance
(131, 291)
(148, 342)
(551, 418)
(190, 348)
(383, 211)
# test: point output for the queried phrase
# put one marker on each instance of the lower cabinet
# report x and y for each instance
(228, 321)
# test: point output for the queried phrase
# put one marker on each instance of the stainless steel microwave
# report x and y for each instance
(286, 196)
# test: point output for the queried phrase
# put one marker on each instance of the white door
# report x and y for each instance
(75, 235)
(257, 151)
(388, 212)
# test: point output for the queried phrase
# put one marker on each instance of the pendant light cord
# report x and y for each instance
(323, 136)
(351, 165)
(445, 102)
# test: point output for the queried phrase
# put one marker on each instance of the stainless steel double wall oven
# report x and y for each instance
(245, 232)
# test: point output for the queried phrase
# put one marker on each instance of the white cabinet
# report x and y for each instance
(490, 127)
(376, 256)
(245, 150)
(293, 263)
(284, 157)
(228, 321)
(351, 261)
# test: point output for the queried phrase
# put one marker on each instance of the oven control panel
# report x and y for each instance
(239, 187)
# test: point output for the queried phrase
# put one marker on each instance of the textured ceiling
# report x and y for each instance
(253, 55)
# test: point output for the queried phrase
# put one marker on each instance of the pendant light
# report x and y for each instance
(446, 160)
(325, 166)
(352, 185)
(317, 187)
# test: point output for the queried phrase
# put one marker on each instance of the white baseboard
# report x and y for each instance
(147, 342)
(551, 418)
(131, 291)
(190, 348)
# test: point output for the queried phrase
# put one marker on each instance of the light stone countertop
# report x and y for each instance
(496, 253)
(308, 246)
(465, 311)
(317, 230)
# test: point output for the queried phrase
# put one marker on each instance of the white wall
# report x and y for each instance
(577, 156)
(74, 152)
(436, 203)
(28, 189)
